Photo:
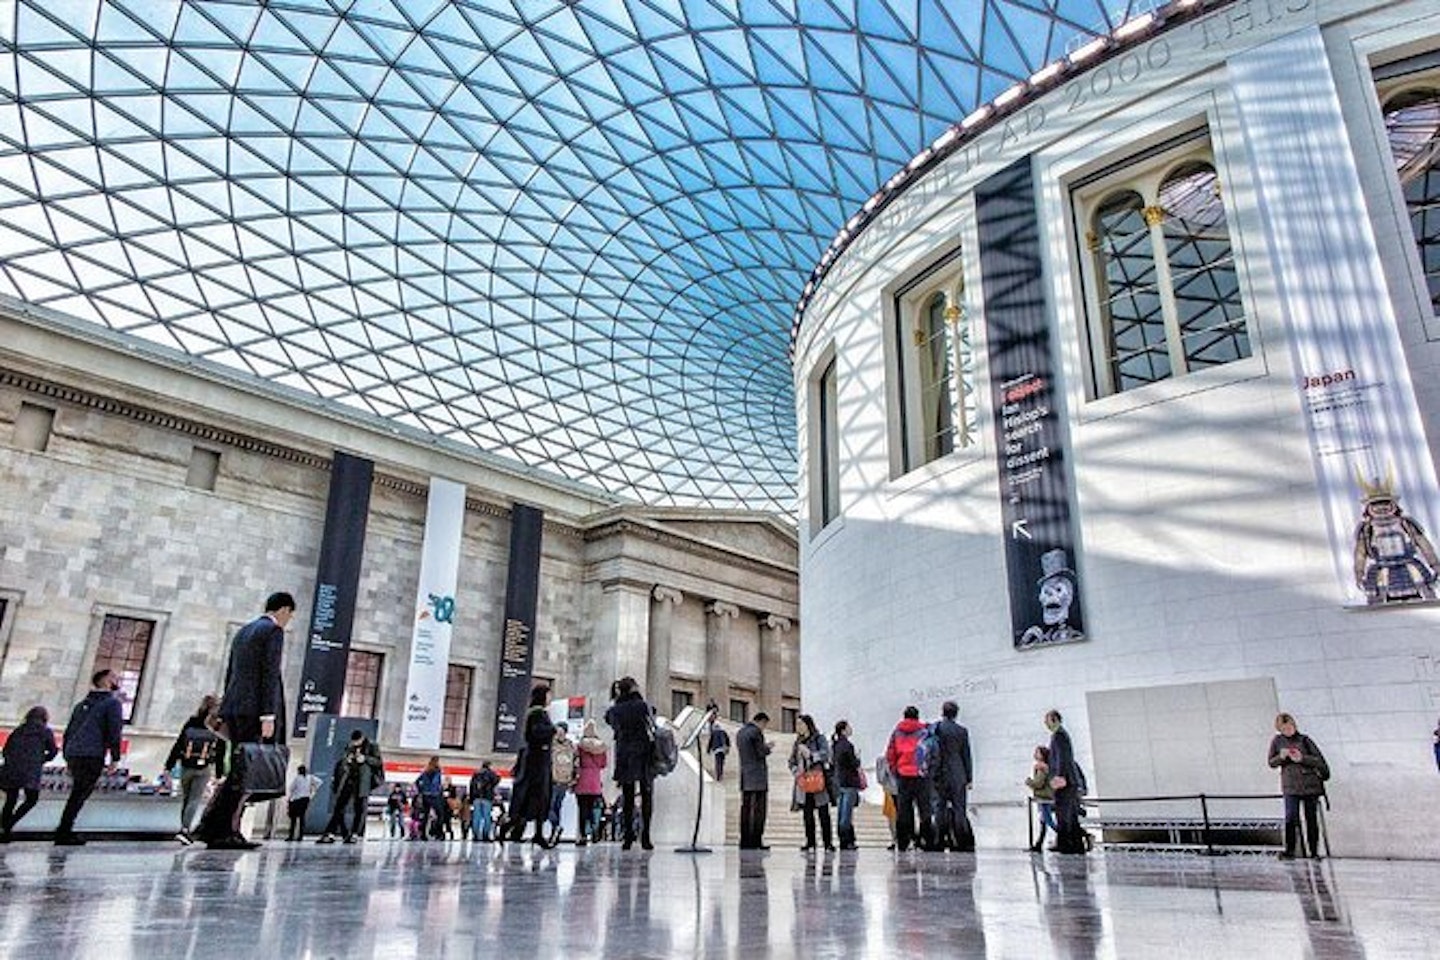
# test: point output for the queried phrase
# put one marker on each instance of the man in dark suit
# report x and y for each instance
(1070, 836)
(754, 781)
(252, 710)
(954, 773)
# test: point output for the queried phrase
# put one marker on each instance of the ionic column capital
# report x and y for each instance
(720, 608)
(772, 622)
(664, 594)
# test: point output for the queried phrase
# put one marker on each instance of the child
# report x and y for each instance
(1039, 784)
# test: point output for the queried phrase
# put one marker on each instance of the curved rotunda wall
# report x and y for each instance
(1208, 528)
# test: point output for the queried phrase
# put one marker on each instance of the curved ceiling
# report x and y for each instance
(570, 233)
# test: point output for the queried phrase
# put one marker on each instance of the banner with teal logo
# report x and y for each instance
(434, 616)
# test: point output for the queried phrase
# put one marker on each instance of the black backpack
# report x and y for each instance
(198, 748)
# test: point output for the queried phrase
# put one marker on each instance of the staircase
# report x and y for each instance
(785, 829)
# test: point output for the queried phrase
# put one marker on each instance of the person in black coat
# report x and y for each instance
(1069, 836)
(30, 746)
(754, 755)
(632, 720)
(93, 733)
(954, 773)
(530, 796)
(252, 710)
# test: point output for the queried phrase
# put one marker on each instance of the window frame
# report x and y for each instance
(1144, 171)
(823, 434)
(465, 701)
(943, 276)
(139, 699)
(379, 657)
(1391, 81)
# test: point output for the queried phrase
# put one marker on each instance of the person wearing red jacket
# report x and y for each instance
(911, 796)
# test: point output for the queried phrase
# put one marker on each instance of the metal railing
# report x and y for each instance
(1207, 824)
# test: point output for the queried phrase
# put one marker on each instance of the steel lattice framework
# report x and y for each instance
(571, 233)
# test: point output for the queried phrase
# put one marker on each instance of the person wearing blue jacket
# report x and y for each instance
(430, 794)
(30, 746)
(94, 731)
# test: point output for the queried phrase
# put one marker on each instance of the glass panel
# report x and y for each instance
(1135, 350)
(679, 700)
(739, 711)
(457, 706)
(1210, 315)
(933, 346)
(362, 683)
(124, 646)
(829, 465)
(1412, 120)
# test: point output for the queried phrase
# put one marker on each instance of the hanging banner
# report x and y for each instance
(1373, 467)
(434, 616)
(1030, 439)
(337, 579)
(517, 642)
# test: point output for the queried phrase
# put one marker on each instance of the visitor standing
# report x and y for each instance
(197, 751)
(93, 732)
(717, 744)
(954, 775)
(395, 812)
(1039, 784)
(252, 710)
(482, 792)
(429, 800)
(356, 773)
(590, 784)
(1065, 782)
(849, 782)
(530, 798)
(810, 766)
(29, 747)
(754, 754)
(564, 769)
(1303, 772)
(297, 801)
(634, 725)
(912, 797)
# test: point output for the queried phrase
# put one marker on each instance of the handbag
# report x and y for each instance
(864, 781)
(811, 781)
(261, 769)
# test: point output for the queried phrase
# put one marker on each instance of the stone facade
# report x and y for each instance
(101, 521)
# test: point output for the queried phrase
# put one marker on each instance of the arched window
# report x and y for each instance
(1412, 121)
(1135, 349)
(1202, 267)
(1162, 277)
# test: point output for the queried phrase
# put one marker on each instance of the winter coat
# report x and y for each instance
(530, 799)
(847, 764)
(1039, 783)
(1305, 777)
(254, 686)
(754, 763)
(1062, 763)
(954, 770)
(198, 722)
(719, 741)
(30, 747)
(900, 751)
(562, 762)
(95, 727)
(369, 771)
(593, 759)
(483, 784)
(631, 720)
(430, 783)
(810, 754)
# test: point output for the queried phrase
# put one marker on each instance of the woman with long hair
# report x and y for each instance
(810, 763)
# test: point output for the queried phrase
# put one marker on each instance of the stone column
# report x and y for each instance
(719, 616)
(624, 628)
(662, 626)
(772, 682)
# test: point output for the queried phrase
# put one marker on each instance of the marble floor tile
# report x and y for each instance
(113, 901)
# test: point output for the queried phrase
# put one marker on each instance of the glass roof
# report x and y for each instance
(570, 233)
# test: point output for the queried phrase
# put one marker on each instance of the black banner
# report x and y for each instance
(517, 642)
(1030, 439)
(337, 579)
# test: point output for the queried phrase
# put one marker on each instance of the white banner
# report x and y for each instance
(434, 613)
(1372, 462)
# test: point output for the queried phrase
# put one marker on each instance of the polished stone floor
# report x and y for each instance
(401, 900)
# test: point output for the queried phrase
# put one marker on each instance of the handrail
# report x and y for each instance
(1203, 799)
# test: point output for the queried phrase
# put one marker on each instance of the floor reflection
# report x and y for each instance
(396, 900)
